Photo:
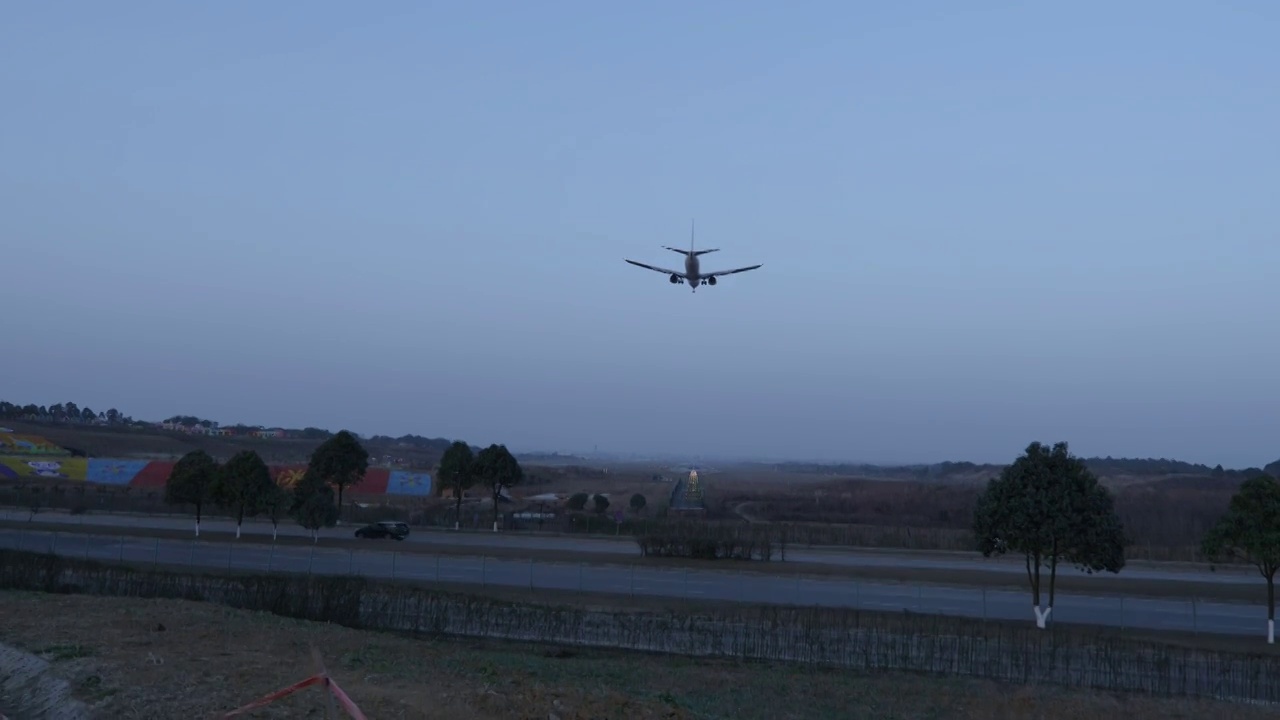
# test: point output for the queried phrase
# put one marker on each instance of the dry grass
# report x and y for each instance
(180, 659)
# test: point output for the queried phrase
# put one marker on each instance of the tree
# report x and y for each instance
(499, 469)
(275, 503)
(191, 482)
(340, 461)
(312, 504)
(1050, 507)
(578, 501)
(457, 468)
(243, 484)
(1250, 531)
(601, 503)
(638, 502)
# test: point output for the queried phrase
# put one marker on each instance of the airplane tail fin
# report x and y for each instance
(690, 252)
(697, 252)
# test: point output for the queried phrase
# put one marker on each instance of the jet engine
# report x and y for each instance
(675, 279)
(711, 280)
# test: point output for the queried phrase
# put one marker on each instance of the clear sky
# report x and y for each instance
(981, 223)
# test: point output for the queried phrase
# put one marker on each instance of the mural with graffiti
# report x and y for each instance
(155, 473)
(51, 468)
(114, 472)
(405, 482)
(15, 444)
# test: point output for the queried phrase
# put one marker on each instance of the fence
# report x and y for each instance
(821, 636)
(386, 560)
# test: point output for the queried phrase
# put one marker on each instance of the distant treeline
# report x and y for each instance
(64, 412)
(1107, 466)
(71, 413)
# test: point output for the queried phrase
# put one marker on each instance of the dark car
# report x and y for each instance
(386, 528)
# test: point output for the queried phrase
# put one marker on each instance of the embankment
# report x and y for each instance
(831, 637)
(30, 691)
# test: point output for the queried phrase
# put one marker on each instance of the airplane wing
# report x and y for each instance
(664, 271)
(729, 272)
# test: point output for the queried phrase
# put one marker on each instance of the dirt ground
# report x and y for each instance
(178, 659)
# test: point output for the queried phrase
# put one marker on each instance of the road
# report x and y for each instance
(625, 547)
(385, 562)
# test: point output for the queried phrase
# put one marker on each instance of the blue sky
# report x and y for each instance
(981, 223)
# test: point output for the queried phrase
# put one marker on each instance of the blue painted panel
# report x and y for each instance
(104, 471)
(404, 482)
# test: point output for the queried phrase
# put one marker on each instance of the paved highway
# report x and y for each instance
(626, 547)
(385, 562)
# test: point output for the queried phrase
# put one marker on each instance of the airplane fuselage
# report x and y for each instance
(691, 270)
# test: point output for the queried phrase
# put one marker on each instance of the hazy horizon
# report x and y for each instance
(980, 225)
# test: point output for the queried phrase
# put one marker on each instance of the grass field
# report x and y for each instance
(169, 659)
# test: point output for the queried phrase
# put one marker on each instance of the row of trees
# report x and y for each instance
(70, 412)
(461, 468)
(1049, 507)
(243, 486)
(63, 412)
(600, 503)
(307, 433)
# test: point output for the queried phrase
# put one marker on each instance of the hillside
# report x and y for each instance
(113, 434)
(142, 443)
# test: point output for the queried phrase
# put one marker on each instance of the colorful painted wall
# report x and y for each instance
(15, 444)
(155, 473)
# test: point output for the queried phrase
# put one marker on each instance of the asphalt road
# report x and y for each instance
(385, 562)
(625, 547)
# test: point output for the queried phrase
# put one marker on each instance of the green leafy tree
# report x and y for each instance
(600, 502)
(457, 470)
(312, 504)
(340, 461)
(243, 485)
(1050, 507)
(1250, 532)
(499, 469)
(191, 482)
(578, 501)
(638, 502)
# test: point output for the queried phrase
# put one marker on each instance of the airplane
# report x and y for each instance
(692, 274)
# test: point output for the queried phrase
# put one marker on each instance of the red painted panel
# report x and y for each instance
(374, 482)
(154, 475)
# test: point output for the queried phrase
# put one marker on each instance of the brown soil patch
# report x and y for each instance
(177, 659)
